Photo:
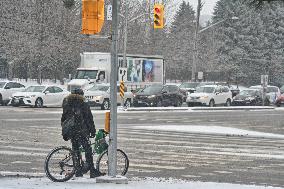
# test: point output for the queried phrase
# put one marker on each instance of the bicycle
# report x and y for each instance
(59, 163)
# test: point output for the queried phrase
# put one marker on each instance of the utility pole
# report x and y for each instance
(113, 93)
(125, 34)
(194, 57)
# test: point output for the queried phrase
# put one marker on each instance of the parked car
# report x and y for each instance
(7, 88)
(282, 89)
(40, 96)
(280, 100)
(187, 88)
(210, 95)
(272, 92)
(99, 95)
(236, 89)
(249, 97)
(159, 95)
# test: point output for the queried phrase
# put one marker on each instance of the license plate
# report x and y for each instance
(16, 101)
(139, 101)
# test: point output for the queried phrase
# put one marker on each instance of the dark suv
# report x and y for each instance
(159, 95)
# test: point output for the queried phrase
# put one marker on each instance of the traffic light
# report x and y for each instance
(158, 16)
(92, 16)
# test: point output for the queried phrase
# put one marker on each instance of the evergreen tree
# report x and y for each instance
(250, 46)
(180, 44)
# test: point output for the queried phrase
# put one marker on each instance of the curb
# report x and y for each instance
(21, 175)
(236, 108)
(152, 109)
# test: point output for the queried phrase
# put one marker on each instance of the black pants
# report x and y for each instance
(76, 143)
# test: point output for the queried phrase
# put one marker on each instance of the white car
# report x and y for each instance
(40, 96)
(272, 92)
(99, 95)
(210, 95)
(7, 88)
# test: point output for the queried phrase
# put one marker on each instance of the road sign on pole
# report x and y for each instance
(121, 89)
(109, 12)
(122, 74)
(264, 80)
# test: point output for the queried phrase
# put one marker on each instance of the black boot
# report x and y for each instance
(95, 173)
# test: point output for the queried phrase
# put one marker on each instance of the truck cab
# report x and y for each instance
(85, 77)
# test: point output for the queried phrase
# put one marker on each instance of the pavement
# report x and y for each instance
(134, 183)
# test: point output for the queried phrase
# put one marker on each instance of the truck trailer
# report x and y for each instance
(139, 70)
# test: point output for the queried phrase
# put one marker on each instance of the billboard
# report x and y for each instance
(144, 70)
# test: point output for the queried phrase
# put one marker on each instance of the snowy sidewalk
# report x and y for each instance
(150, 183)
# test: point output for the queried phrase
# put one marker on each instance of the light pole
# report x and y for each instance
(126, 21)
(193, 70)
(197, 31)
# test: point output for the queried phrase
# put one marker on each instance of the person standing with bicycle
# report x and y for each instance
(75, 106)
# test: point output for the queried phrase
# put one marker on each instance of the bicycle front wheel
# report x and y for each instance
(59, 164)
(122, 162)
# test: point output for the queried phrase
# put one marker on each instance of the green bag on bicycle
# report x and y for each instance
(100, 142)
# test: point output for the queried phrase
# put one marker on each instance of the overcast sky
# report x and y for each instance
(207, 8)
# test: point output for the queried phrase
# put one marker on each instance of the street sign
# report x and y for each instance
(121, 89)
(264, 80)
(122, 74)
(109, 12)
(200, 75)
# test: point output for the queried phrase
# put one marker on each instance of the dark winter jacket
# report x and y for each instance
(76, 104)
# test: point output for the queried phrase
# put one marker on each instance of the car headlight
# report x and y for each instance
(152, 96)
(203, 97)
(97, 97)
(249, 98)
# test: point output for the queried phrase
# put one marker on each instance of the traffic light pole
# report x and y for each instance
(194, 57)
(112, 148)
(113, 93)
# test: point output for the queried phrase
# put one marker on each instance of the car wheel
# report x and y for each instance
(189, 104)
(127, 103)
(278, 104)
(159, 103)
(212, 103)
(105, 105)
(1, 100)
(38, 103)
(228, 102)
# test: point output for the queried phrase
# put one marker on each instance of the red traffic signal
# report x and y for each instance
(158, 16)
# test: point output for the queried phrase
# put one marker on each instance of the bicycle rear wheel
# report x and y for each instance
(122, 162)
(59, 164)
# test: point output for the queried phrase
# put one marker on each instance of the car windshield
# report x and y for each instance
(272, 90)
(152, 89)
(188, 85)
(2, 84)
(99, 88)
(86, 74)
(35, 89)
(205, 90)
(248, 92)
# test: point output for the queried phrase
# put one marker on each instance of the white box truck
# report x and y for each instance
(139, 71)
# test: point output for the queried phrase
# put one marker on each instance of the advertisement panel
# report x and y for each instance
(143, 69)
